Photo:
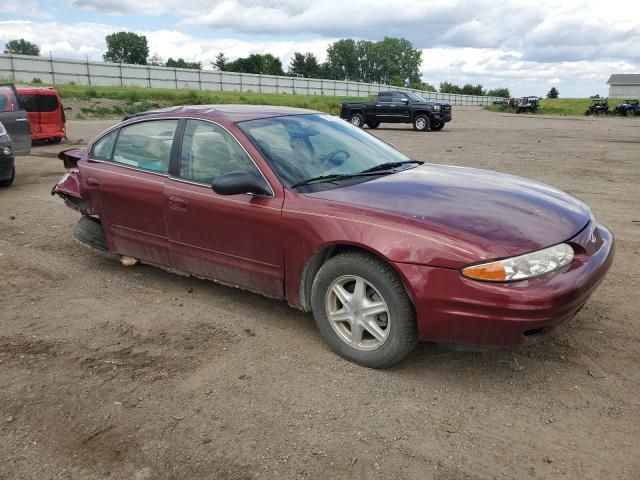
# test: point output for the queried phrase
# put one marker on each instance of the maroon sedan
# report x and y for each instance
(302, 206)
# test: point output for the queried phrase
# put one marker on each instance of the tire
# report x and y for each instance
(375, 124)
(90, 234)
(357, 120)
(8, 181)
(436, 127)
(55, 140)
(395, 323)
(421, 123)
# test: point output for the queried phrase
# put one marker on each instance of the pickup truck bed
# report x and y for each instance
(397, 107)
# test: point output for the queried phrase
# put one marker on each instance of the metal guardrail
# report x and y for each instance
(22, 68)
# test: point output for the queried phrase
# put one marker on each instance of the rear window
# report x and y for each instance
(40, 103)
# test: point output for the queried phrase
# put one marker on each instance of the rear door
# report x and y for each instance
(124, 180)
(15, 119)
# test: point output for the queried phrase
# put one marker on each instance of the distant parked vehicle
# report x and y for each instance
(7, 160)
(528, 105)
(628, 108)
(599, 106)
(45, 112)
(397, 107)
(15, 119)
(501, 101)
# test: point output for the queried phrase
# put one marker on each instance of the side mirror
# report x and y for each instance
(238, 182)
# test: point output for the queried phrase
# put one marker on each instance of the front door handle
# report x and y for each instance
(93, 182)
(21, 119)
(178, 203)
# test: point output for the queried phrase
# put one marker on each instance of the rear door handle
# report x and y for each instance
(178, 203)
(21, 119)
(93, 182)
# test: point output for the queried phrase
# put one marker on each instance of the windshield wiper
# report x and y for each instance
(390, 165)
(334, 176)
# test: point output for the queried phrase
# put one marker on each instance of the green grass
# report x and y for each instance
(560, 106)
(140, 99)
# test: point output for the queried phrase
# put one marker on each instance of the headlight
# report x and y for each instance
(3, 131)
(6, 151)
(522, 267)
(436, 108)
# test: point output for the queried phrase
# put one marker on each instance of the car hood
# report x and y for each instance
(498, 215)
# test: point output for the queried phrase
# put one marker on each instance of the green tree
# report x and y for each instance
(126, 47)
(181, 63)
(22, 47)
(499, 92)
(469, 89)
(220, 63)
(342, 60)
(256, 63)
(553, 93)
(304, 65)
(420, 85)
(155, 60)
(446, 87)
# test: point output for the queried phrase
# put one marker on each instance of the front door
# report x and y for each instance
(15, 119)
(233, 239)
(124, 180)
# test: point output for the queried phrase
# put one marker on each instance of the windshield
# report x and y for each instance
(415, 97)
(301, 147)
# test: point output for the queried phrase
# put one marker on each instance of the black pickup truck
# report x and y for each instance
(397, 107)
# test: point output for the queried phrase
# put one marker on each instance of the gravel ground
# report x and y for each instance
(110, 372)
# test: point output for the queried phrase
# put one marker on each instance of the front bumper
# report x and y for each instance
(7, 163)
(443, 116)
(453, 309)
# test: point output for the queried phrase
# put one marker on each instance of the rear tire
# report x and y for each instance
(55, 140)
(421, 123)
(89, 233)
(8, 181)
(392, 315)
(357, 120)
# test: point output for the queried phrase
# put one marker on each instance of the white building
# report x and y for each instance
(624, 85)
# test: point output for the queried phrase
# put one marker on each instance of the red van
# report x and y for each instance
(45, 113)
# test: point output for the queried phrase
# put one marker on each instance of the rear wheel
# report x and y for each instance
(362, 310)
(436, 126)
(357, 120)
(374, 124)
(55, 140)
(8, 181)
(421, 123)
(89, 233)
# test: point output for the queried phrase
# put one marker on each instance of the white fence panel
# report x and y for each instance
(21, 68)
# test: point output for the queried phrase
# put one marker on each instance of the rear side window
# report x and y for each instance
(208, 151)
(103, 148)
(146, 145)
(384, 97)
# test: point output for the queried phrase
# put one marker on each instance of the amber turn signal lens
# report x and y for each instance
(489, 271)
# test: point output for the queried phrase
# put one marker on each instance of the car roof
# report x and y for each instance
(37, 90)
(231, 113)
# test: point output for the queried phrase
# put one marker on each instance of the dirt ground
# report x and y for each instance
(108, 372)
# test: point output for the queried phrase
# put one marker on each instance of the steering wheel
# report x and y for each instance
(331, 160)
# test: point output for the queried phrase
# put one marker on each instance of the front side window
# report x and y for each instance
(8, 100)
(146, 145)
(209, 151)
(300, 147)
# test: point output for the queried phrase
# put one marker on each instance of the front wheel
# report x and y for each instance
(362, 310)
(421, 123)
(374, 124)
(436, 126)
(357, 120)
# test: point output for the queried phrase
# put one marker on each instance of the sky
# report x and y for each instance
(525, 46)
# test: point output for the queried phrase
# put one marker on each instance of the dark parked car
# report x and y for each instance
(397, 107)
(7, 161)
(628, 108)
(304, 207)
(528, 105)
(15, 119)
